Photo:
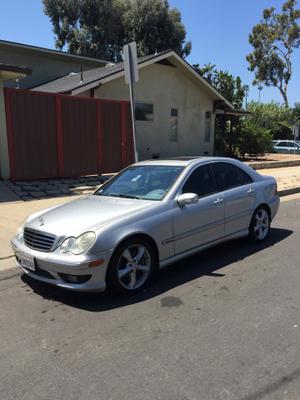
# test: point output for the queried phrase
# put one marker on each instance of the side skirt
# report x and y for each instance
(164, 263)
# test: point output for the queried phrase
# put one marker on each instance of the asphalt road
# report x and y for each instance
(221, 325)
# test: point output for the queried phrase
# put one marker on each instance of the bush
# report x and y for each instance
(273, 116)
(254, 140)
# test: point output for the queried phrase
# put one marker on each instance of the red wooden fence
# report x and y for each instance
(52, 135)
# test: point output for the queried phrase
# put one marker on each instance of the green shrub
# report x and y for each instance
(254, 139)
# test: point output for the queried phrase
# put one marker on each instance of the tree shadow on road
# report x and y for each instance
(204, 263)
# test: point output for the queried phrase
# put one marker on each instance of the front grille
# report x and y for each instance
(38, 240)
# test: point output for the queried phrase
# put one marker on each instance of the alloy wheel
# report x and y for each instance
(261, 224)
(134, 266)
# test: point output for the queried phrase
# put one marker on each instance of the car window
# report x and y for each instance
(282, 144)
(148, 182)
(201, 181)
(229, 176)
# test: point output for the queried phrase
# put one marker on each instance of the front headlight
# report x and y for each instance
(20, 232)
(78, 245)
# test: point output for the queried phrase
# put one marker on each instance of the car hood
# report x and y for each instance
(86, 213)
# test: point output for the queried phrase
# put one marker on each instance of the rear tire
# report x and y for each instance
(132, 266)
(259, 228)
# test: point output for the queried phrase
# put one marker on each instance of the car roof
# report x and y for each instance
(183, 161)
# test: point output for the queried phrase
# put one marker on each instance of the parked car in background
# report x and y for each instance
(286, 146)
(146, 217)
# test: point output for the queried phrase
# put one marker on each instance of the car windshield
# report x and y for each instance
(147, 182)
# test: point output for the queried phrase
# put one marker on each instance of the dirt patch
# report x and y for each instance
(273, 157)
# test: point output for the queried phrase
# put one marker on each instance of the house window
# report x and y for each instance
(207, 132)
(174, 125)
(143, 112)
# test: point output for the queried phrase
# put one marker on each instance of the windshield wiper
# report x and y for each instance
(125, 196)
(128, 196)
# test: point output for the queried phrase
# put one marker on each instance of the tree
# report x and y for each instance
(225, 83)
(277, 118)
(100, 28)
(274, 39)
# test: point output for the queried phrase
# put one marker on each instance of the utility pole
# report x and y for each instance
(260, 88)
(246, 96)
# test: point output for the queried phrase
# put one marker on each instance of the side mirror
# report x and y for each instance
(187, 198)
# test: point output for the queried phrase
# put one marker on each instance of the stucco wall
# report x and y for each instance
(166, 87)
(45, 67)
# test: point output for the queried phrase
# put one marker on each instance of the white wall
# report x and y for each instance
(166, 87)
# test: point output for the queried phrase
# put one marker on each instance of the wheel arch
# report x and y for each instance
(265, 206)
(137, 235)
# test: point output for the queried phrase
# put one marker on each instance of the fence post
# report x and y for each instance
(6, 140)
(59, 136)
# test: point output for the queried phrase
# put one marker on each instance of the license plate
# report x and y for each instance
(26, 261)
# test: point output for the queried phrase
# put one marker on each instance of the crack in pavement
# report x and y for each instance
(6, 257)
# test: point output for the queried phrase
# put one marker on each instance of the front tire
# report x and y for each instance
(260, 224)
(132, 266)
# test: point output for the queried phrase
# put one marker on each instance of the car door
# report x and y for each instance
(203, 222)
(239, 195)
(281, 147)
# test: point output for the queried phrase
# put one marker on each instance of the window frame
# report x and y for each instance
(192, 171)
(147, 104)
(207, 139)
(234, 166)
(170, 124)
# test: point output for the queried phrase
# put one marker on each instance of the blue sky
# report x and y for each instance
(218, 30)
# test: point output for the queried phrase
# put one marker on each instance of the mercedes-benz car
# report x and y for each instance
(146, 217)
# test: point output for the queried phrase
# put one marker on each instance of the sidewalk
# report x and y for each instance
(287, 178)
(13, 214)
(6, 194)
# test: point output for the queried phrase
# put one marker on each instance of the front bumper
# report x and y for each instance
(62, 270)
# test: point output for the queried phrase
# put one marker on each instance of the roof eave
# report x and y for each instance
(143, 64)
(8, 71)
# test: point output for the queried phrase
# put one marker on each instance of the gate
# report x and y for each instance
(53, 135)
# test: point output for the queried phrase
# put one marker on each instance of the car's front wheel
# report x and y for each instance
(132, 266)
(260, 224)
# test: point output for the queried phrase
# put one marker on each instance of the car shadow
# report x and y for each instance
(204, 263)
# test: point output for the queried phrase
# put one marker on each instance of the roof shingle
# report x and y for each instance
(74, 80)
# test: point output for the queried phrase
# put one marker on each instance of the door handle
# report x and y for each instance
(218, 200)
(251, 190)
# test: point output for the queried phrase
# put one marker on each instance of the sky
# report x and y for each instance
(218, 30)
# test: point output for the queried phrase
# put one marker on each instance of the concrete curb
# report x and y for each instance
(286, 192)
(273, 164)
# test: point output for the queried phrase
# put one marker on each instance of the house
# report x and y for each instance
(8, 73)
(46, 64)
(175, 107)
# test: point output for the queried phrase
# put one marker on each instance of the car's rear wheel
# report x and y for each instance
(132, 266)
(260, 224)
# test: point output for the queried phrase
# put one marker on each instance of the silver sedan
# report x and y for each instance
(148, 216)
